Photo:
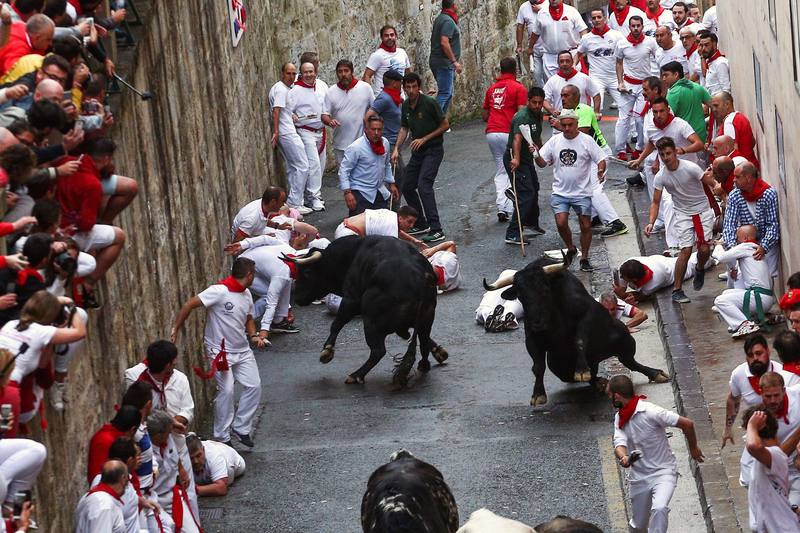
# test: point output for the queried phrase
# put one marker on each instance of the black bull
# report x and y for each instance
(566, 330)
(386, 281)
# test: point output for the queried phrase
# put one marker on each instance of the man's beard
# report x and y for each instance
(617, 404)
(757, 368)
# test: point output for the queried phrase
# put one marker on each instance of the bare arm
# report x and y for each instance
(548, 106)
(520, 38)
(75, 332)
(687, 426)
(731, 412)
(696, 145)
(183, 314)
(790, 444)
(217, 488)
(653, 211)
(368, 73)
(596, 101)
(638, 317)
(755, 446)
(622, 456)
(406, 237)
(620, 74)
(447, 50)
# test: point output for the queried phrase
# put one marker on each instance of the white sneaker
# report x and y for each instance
(303, 210)
(57, 395)
(723, 276)
(317, 205)
(745, 329)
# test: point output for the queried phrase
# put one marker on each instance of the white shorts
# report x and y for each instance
(100, 236)
(691, 229)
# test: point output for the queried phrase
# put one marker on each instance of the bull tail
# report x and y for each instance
(402, 370)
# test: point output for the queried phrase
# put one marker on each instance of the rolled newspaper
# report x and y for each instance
(525, 130)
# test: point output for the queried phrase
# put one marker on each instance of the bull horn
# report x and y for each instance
(499, 284)
(552, 269)
(309, 259)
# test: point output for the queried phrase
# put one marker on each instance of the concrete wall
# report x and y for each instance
(774, 49)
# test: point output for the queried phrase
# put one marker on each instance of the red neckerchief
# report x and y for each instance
(621, 14)
(568, 75)
(648, 275)
(793, 367)
(377, 148)
(626, 412)
(301, 83)
(137, 485)
(691, 50)
(292, 266)
(646, 108)
(759, 188)
(687, 22)
(220, 363)
(24, 274)
(783, 412)
(666, 123)
(391, 50)
(352, 84)
(728, 184)
(789, 299)
(439, 275)
(146, 376)
(715, 55)
(394, 94)
(232, 285)
(102, 487)
(601, 32)
(74, 3)
(755, 383)
(558, 12)
(451, 12)
(635, 41)
(657, 14)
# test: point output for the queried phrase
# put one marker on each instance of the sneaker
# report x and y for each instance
(226, 442)
(635, 180)
(494, 320)
(596, 222)
(417, 230)
(284, 326)
(510, 322)
(303, 210)
(614, 229)
(745, 329)
(244, 439)
(510, 194)
(57, 395)
(317, 302)
(502, 217)
(317, 205)
(679, 297)
(723, 276)
(536, 230)
(613, 105)
(433, 236)
(586, 266)
(715, 309)
(516, 239)
(699, 279)
(570, 255)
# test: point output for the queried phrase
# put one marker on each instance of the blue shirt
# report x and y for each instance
(766, 220)
(390, 113)
(365, 171)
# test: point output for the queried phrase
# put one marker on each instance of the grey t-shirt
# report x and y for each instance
(390, 113)
(444, 25)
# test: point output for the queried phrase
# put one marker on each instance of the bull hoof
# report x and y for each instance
(661, 377)
(326, 356)
(440, 354)
(354, 380)
(424, 365)
(541, 399)
(583, 377)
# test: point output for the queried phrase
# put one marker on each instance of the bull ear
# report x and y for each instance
(509, 294)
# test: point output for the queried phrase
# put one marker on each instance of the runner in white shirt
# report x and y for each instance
(710, 19)
(718, 75)
(345, 106)
(768, 493)
(497, 314)
(599, 47)
(568, 75)
(620, 17)
(101, 509)
(306, 102)
(230, 320)
(668, 50)
(526, 17)
(619, 309)
(694, 218)
(559, 27)
(744, 308)
(215, 465)
(255, 217)
(634, 60)
(284, 133)
(640, 425)
(642, 276)
(573, 154)
(692, 55)
(445, 264)
(381, 222)
(784, 403)
(388, 56)
(656, 15)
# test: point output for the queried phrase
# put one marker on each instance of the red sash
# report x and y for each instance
(699, 231)
(220, 363)
(179, 496)
(439, 275)
(793, 367)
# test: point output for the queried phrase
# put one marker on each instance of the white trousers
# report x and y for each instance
(794, 487)
(606, 85)
(650, 508)
(148, 522)
(497, 145)
(191, 491)
(666, 210)
(274, 295)
(492, 299)
(601, 205)
(165, 501)
(312, 140)
(244, 370)
(20, 463)
(64, 353)
(773, 258)
(629, 119)
(730, 303)
(296, 164)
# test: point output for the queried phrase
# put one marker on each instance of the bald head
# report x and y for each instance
(49, 90)
(746, 233)
(664, 37)
(722, 104)
(722, 145)
(722, 167)
(40, 29)
(115, 474)
(6, 139)
(747, 169)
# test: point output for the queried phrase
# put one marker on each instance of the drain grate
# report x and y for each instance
(211, 513)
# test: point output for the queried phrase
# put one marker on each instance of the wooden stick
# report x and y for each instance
(516, 207)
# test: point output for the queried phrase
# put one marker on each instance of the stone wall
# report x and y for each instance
(200, 150)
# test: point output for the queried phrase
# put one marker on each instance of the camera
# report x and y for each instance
(66, 263)
(19, 501)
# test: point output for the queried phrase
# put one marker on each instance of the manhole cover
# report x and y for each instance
(211, 513)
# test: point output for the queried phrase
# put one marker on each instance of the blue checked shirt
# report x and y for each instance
(766, 220)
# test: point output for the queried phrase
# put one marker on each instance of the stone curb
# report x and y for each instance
(710, 476)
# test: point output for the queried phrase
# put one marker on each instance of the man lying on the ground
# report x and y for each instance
(286, 228)
(215, 465)
(445, 263)
(496, 313)
(642, 276)
(381, 222)
(620, 309)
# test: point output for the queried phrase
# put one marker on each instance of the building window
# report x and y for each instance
(759, 96)
(779, 144)
(772, 19)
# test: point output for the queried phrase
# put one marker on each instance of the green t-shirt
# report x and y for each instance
(422, 119)
(444, 25)
(587, 119)
(686, 99)
(534, 120)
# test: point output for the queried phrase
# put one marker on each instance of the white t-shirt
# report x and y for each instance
(663, 273)
(624, 28)
(130, 506)
(718, 76)
(679, 130)
(768, 496)
(250, 220)
(28, 344)
(380, 61)
(381, 222)
(740, 384)
(601, 51)
(624, 309)
(558, 35)
(349, 108)
(99, 512)
(585, 84)
(277, 98)
(572, 161)
(222, 461)
(710, 20)
(527, 16)
(450, 268)
(227, 315)
(645, 431)
(676, 53)
(686, 187)
(637, 60)
(695, 66)
(307, 104)
(664, 19)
